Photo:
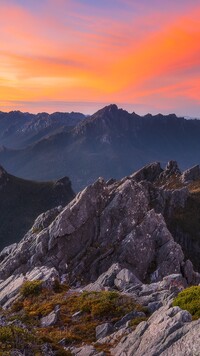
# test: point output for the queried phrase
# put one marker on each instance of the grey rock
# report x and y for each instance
(111, 181)
(153, 306)
(150, 172)
(165, 331)
(105, 280)
(47, 350)
(7, 251)
(77, 314)
(16, 353)
(114, 337)
(155, 295)
(191, 174)
(45, 219)
(151, 239)
(132, 315)
(3, 321)
(126, 279)
(51, 319)
(87, 350)
(191, 276)
(104, 330)
(170, 169)
(166, 201)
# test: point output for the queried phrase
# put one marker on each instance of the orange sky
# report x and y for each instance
(79, 55)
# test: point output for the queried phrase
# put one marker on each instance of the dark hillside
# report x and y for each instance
(22, 201)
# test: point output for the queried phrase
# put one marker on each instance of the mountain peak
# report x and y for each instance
(111, 108)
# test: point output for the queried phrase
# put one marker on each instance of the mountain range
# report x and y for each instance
(110, 143)
(18, 130)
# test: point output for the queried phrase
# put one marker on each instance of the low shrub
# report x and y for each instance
(31, 288)
(58, 287)
(15, 337)
(189, 299)
(6, 334)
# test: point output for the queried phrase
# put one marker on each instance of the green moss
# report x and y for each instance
(189, 299)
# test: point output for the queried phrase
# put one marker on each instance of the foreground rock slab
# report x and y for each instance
(169, 331)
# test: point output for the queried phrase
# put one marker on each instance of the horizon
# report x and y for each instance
(100, 108)
(81, 55)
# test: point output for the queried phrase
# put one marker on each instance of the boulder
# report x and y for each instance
(114, 337)
(132, 315)
(104, 330)
(106, 280)
(86, 350)
(126, 279)
(51, 319)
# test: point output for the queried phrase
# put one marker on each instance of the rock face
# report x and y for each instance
(169, 331)
(171, 169)
(150, 173)
(103, 225)
(191, 174)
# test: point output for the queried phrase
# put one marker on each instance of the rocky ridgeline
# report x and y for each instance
(113, 236)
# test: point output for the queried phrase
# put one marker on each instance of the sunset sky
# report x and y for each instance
(64, 55)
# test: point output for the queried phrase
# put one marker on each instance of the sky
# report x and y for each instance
(80, 55)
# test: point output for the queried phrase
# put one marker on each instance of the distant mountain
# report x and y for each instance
(110, 143)
(21, 201)
(19, 129)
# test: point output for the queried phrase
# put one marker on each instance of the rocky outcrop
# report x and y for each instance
(191, 174)
(113, 237)
(171, 169)
(152, 295)
(102, 226)
(169, 331)
(149, 173)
